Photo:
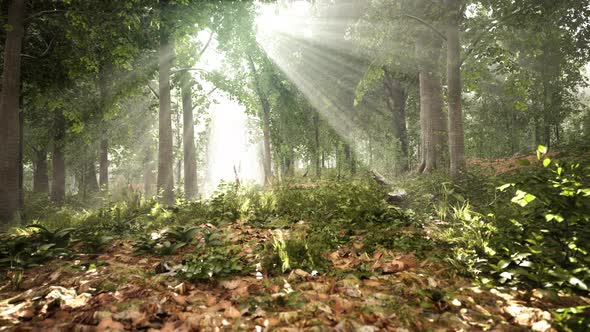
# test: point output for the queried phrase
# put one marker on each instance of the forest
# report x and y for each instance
(295, 165)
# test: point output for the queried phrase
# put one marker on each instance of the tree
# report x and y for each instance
(10, 129)
(58, 183)
(456, 135)
(165, 144)
(428, 48)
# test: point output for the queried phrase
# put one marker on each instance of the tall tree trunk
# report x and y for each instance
(396, 102)
(165, 142)
(10, 199)
(317, 152)
(456, 135)
(58, 183)
(291, 162)
(190, 151)
(21, 151)
(40, 177)
(104, 164)
(428, 48)
(267, 149)
(91, 185)
(350, 159)
(103, 160)
(265, 105)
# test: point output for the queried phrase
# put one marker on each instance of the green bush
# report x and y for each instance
(287, 253)
(536, 234)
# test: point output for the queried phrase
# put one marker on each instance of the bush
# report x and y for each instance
(536, 234)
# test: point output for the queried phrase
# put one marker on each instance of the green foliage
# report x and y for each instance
(290, 252)
(166, 242)
(573, 319)
(214, 258)
(536, 234)
(33, 246)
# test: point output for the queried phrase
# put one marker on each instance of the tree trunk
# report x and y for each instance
(316, 131)
(165, 144)
(456, 135)
(104, 165)
(21, 151)
(10, 207)
(428, 48)
(58, 183)
(267, 149)
(89, 174)
(190, 152)
(103, 160)
(263, 99)
(396, 102)
(40, 177)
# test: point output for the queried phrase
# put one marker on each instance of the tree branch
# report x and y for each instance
(181, 70)
(153, 91)
(43, 13)
(202, 97)
(205, 47)
(42, 55)
(430, 26)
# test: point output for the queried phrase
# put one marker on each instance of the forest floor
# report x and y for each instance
(329, 256)
(120, 290)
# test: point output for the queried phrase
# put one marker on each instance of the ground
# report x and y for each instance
(121, 290)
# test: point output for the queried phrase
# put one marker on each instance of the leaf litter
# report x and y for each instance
(381, 291)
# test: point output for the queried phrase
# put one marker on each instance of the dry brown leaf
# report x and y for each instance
(108, 324)
(232, 313)
(242, 291)
(395, 266)
(179, 299)
(334, 256)
(231, 284)
(210, 300)
(341, 305)
(372, 283)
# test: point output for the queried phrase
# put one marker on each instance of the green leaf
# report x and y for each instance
(523, 198)
(541, 150)
(578, 283)
(546, 162)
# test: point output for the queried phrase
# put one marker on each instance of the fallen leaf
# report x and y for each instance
(231, 284)
(108, 324)
(232, 312)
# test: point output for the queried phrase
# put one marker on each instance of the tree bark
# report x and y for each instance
(396, 102)
(456, 134)
(104, 164)
(165, 144)
(91, 184)
(263, 99)
(58, 183)
(190, 152)
(428, 49)
(40, 177)
(10, 199)
(316, 130)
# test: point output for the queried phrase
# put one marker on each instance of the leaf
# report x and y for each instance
(523, 198)
(577, 282)
(541, 150)
(546, 162)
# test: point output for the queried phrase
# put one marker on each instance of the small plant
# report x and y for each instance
(289, 253)
(213, 263)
